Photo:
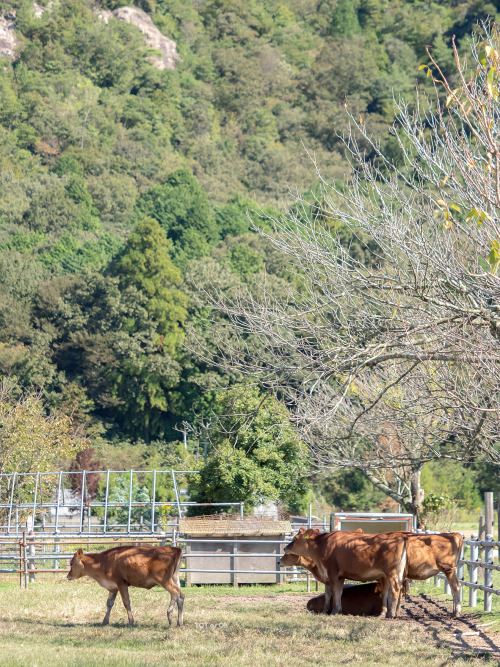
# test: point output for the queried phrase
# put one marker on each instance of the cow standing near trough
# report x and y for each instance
(350, 555)
(141, 567)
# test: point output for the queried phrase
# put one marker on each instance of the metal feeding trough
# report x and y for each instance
(233, 550)
(373, 522)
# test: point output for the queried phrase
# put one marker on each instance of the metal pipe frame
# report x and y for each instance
(58, 503)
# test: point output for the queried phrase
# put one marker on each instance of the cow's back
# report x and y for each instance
(139, 566)
(363, 557)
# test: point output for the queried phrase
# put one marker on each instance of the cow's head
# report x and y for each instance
(300, 543)
(289, 559)
(292, 559)
(76, 567)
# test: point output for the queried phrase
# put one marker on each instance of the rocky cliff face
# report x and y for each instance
(8, 41)
(154, 38)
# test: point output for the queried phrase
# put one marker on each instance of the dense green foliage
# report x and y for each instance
(255, 454)
(125, 191)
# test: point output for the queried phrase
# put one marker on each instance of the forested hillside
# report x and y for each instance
(124, 188)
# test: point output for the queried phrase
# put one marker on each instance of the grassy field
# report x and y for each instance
(56, 622)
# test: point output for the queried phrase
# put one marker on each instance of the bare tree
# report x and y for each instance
(425, 313)
(386, 430)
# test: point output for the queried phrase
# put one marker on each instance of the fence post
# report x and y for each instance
(498, 521)
(234, 576)
(332, 522)
(481, 526)
(31, 554)
(460, 575)
(57, 549)
(488, 513)
(25, 561)
(488, 573)
(474, 553)
(20, 564)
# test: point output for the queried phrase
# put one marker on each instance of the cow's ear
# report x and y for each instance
(79, 553)
(301, 530)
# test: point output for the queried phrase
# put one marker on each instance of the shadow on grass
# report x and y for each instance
(459, 635)
(123, 625)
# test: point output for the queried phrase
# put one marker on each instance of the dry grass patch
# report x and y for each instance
(58, 623)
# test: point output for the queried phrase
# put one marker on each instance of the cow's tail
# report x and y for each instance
(459, 544)
(401, 576)
(403, 564)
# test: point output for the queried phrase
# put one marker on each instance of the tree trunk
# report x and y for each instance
(414, 505)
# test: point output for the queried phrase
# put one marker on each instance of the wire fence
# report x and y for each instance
(97, 501)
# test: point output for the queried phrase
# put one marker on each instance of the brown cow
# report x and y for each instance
(352, 555)
(143, 567)
(430, 554)
(357, 600)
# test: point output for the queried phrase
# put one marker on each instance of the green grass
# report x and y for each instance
(56, 622)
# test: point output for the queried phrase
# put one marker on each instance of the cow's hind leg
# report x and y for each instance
(394, 598)
(123, 588)
(403, 592)
(385, 586)
(455, 589)
(109, 605)
(176, 596)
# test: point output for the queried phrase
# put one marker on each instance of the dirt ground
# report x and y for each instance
(464, 636)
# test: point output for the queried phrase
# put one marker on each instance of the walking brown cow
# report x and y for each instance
(141, 567)
(351, 555)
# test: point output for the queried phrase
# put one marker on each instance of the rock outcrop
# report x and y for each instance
(154, 38)
(8, 40)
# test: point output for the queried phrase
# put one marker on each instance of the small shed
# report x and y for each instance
(373, 522)
(233, 550)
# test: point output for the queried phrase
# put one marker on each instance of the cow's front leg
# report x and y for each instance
(123, 588)
(337, 589)
(328, 600)
(109, 605)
